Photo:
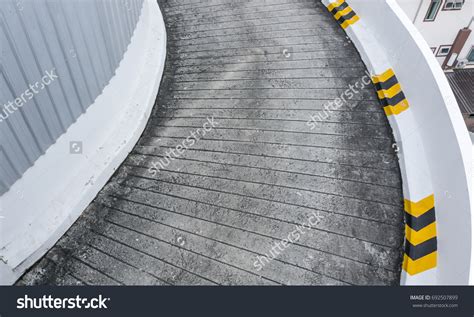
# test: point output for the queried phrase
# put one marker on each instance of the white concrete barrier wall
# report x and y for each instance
(435, 149)
(39, 207)
(56, 57)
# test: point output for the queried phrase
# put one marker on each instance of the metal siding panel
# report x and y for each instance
(83, 40)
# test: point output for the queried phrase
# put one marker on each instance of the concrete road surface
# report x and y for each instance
(230, 184)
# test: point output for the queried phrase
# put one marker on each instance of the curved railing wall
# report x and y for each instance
(434, 146)
(56, 58)
(87, 116)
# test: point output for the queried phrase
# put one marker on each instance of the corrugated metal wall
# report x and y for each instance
(56, 57)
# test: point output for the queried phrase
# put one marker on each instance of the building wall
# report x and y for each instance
(470, 43)
(410, 7)
(56, 57)
(443, 30)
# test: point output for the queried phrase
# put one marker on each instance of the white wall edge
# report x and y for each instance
(41, 206)
(447, 270)
(435, 150)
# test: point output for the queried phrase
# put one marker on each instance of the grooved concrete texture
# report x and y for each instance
(260, 69)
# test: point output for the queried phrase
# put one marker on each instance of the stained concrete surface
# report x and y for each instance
(260, 69)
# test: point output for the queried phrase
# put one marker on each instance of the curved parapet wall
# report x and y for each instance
(56, 59)
(41, 205)
(434, 146)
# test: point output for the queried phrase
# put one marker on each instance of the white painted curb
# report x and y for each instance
(47, 200)
(435, 150)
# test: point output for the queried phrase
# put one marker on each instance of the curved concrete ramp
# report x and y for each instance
(219, 208)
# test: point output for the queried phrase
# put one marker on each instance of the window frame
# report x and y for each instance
(440, 5)
(471, 51)
(453, 8)
(439, 54)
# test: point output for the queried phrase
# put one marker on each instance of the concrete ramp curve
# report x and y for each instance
(268, 160)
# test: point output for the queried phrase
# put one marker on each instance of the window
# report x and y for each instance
(433, 10)
(453, 4)
(444, 50)
(470, 56)
(433, 49)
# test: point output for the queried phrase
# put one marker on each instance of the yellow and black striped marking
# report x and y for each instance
(420, 230)
(390, 93)
(343, 13)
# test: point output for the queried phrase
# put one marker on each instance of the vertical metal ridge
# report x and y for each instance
(121, 26)
(65, 57)
(21, 69)
(37, 62)
(50, 55)
(108, 44)
(21, 111)
(111, 33)
(79, 58)
(84, 50)
(88, 50)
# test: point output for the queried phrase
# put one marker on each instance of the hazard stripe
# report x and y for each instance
(416, 252)
(418, 223)
(343, 13)
(390, 93)
(417, 209)
(339, 8)
(394, 100)
(423, 264)
(386, 84)
(389, 73)
(336, 4)
(397, 109)
(339, 12)
(421, 243)
(347, 20)
(417, 237)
